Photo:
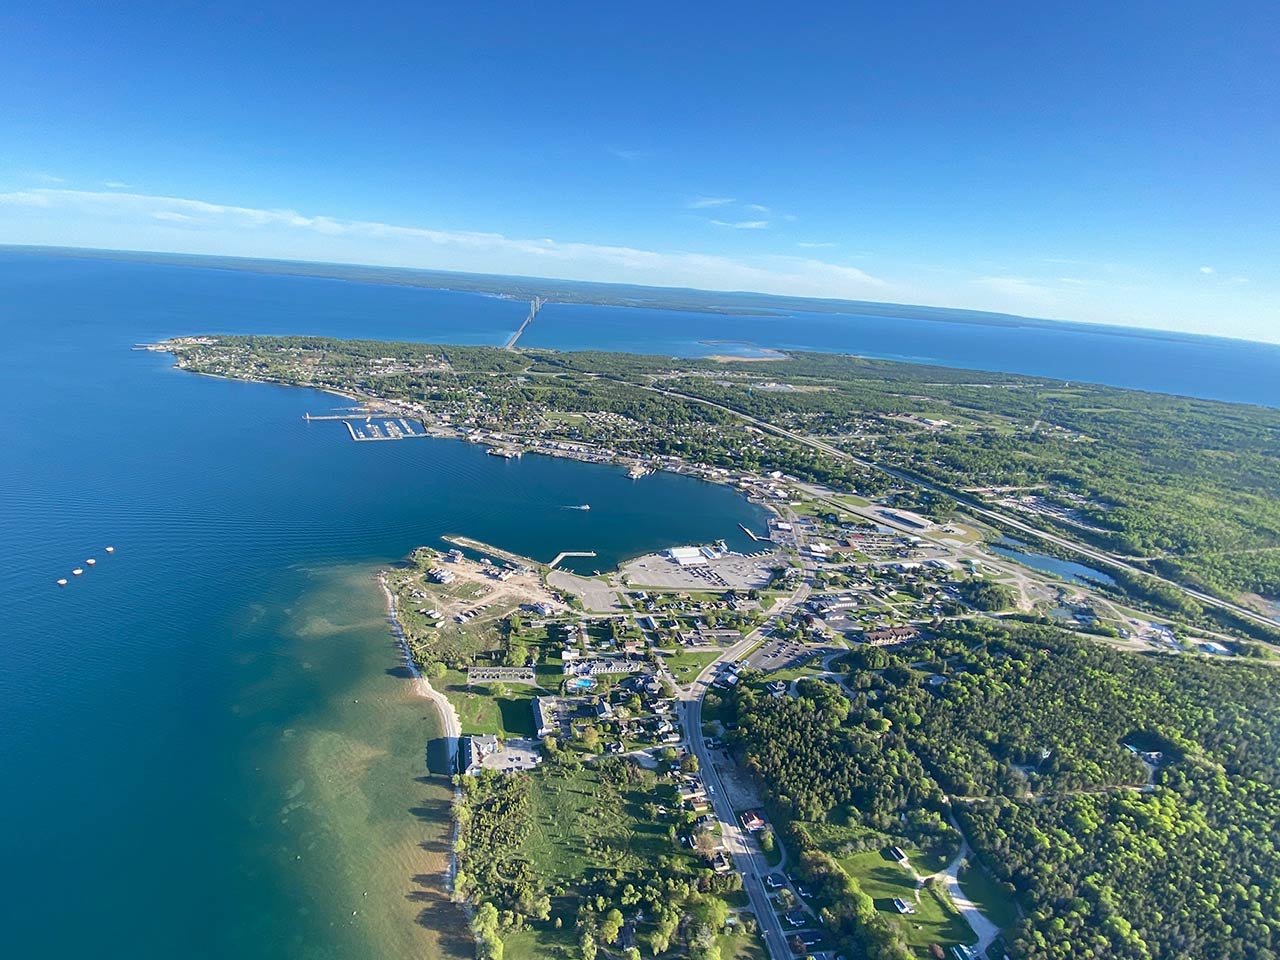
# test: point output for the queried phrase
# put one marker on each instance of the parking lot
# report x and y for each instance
(737, 572)
(515, 755)
(780, 654)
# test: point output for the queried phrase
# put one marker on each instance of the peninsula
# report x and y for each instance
(890, 732)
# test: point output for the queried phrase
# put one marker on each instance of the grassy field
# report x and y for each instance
(990, 899)
(584, 824)
(686, 664)
(481, 712)
(935, 920)
(809, 668)
(882, 879)
(741, 946)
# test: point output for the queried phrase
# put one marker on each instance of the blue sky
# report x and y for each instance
(1110, 162)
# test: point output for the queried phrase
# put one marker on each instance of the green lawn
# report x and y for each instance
(935, 920)
(741, 946)
(685, 664)
(535, 942)
(809, 668)
(481, 712)
(979, 887)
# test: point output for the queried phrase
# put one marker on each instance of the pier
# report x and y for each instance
(537, 304)
(507, 555)
(569, 553)
(757, 539)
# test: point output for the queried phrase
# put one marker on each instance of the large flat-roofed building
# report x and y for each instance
(907, 519)
(687, 556)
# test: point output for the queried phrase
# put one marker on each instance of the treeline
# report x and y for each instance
(815, 765)
(1106, 857)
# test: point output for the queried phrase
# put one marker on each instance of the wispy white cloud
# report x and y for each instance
(756, 207)
(114, 219)
(1206, 270)
(703, 203)
(631, 156)
(115, 185)
(41, 177)
(814, 244)
(1239, 279)
(742, 224)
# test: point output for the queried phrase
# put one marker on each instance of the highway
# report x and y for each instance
(973, 507)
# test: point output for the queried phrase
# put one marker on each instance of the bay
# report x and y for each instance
(209, 744)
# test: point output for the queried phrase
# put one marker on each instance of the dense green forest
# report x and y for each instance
(1170, 855)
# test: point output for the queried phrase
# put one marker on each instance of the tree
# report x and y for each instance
(435, 670)
(485, 927)
(611, 926)
(689, 764)
(704, 842)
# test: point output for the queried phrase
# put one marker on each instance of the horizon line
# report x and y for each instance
(1097, 326)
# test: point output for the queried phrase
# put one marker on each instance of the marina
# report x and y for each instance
(397, 429)
(364, 423)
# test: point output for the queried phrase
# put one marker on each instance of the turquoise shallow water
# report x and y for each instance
(208, 748)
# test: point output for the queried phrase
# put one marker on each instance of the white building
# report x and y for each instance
(687, 556)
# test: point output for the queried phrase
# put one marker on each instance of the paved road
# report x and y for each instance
(750, 862)
(973, 507)
(983, 929)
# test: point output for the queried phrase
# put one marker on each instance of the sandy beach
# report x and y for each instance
(449, 721)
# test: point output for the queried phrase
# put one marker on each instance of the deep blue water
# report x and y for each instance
(167, 715)
(1206, 367)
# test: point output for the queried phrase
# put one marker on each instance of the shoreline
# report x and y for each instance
(449, 721)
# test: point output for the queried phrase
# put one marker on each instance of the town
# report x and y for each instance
(722, 752)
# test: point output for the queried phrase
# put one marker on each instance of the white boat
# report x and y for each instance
(76, 572)
(581, 506)
(62, 582)
(90, 562)
(111, 549)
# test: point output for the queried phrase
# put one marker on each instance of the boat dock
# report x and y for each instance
(366, 425)
(387, 428)
(569, 553)
(747, 531)
(537, 304)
